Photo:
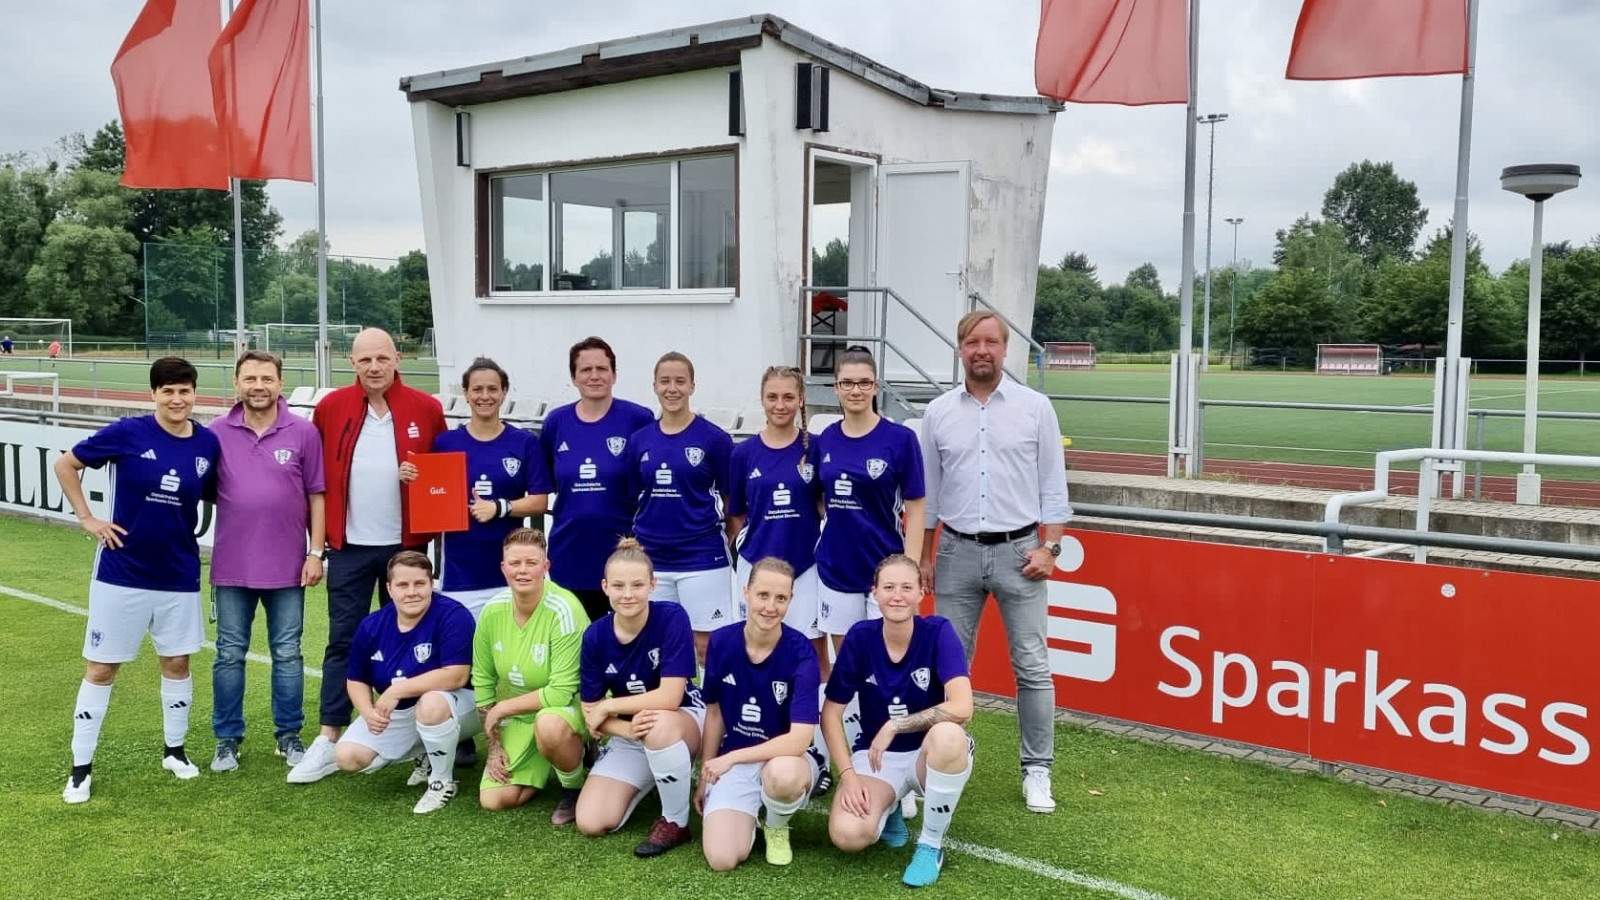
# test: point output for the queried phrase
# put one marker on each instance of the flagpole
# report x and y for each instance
(1449, 414)
(1183, 411)
(324, 355)
(240, 343)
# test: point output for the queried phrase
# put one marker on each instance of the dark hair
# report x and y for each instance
(172, 370)
(258, 356)
(629, 550)
(531, 536)
(411, 559)
(589, 343)
(485, 364)
(673, 356)
(855, 354)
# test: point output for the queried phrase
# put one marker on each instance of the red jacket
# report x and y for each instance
(418, 419)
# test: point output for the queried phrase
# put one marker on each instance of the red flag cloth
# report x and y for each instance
(261, 86)
(164, 94)
(1132, 52)
(1376, 38)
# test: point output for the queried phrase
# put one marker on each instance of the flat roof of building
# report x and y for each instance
(711, 46)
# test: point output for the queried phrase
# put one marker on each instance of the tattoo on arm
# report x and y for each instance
(921, 721)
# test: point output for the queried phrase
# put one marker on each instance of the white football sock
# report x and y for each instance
(440, 742)
(87, 717)
(779, 812)
(940, 796)
(671, 767)
(177, 698)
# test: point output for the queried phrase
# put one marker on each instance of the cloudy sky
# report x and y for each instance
(1116, 179)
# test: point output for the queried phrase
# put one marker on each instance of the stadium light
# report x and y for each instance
(1233, 282)
(1538, 182)
(1211, 181)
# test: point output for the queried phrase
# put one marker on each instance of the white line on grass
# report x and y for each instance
(991, 854)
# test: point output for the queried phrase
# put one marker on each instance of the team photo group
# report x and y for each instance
(734, 627)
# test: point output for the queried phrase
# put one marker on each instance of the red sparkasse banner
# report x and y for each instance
(1459, 675)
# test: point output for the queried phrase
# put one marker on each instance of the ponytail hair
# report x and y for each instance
(629, 550)
(857, 355)
(793, 374)
(771, 564)
(895, 559)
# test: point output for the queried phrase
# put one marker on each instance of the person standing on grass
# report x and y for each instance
(147, 565)
(269, 501)
(5, 345)
(55, 349)
(909, 675)
(585, 446)
(506, 473)
(407, 676)
(993, 458)
(368, 429)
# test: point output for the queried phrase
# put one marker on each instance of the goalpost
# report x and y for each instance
(1068, 355)
(33, 337)
(300, 338)
(1349, 359)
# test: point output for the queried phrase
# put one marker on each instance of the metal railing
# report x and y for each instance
(809, 338)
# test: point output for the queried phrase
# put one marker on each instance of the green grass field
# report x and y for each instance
(1135, 820)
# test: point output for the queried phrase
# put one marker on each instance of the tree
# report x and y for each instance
(1570, 325)
(1145, 276)
(831, 267)
(1320, 247)
(416, 298)
(1068, 306)
(1293, 309)
(1078, 262)
(1411, 302)
(82, 272)
(29, 202)
(1378, 210)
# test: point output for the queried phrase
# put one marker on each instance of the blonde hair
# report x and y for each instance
(895, 559)
(629, 550)
(673, 356)
(771, 564)
(531, 536)
(973, 319)
(793, 374)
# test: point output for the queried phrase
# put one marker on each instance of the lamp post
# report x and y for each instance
(1211, 180)
(1538, 182)
(1233, 282)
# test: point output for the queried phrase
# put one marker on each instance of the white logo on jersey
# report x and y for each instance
(483, 487)
(750, 712)
(664, 475)
(807, 472)
(872, 679)
(611, 669)
(512, 465)
(588, 470)
(728, 679)
(283, 456)
(876, 467)
(645, 457)
(413, 432)
(920, 678)
(201, 465)
(635, 686)
(499, 647)
(841, 486)
(422, 651)
(780, 691)
(755, 473)
(563, 448)
(694, 454)
(616, 445)
(540, 651)
(148, 454)
(781, 496)
(897, 709)
(169, 481)
(825, 609)
(655, 657)
(378, 656)
(515, 677)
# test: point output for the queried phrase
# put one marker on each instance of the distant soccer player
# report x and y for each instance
(407, 679)
(760, 687)
(5, 345)
(910, 677)
(147, 567)
(525, 676)
(55, 349)
(637, 687)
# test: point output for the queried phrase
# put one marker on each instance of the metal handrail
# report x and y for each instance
(808, 338)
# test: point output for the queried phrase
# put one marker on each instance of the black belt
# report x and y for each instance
(995, 537)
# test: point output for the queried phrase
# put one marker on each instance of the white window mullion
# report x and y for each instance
(672, 228)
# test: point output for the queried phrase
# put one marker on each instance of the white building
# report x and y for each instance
(666, 192)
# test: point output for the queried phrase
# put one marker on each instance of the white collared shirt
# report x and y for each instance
(994, 466)
(372, 512)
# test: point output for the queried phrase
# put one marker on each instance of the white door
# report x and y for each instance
(923, 211)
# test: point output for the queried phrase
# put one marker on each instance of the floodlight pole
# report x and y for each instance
(1183, 408)
(1233, 282)
(1211, 182)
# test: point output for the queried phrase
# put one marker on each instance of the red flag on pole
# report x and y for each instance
(1376, 38)
(164, 94)
(1132, 52)
(261, 86)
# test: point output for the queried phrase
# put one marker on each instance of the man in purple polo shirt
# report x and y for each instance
(269, 497)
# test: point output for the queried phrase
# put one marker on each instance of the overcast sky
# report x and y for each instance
(1116, 182)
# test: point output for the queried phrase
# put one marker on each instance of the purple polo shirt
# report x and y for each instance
(264, 486)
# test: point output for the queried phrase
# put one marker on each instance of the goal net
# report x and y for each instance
(427, 349)
(1068, 355)
(292, 339)
(1349, 359)
(34, 337)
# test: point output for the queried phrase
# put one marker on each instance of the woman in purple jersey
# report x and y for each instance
(637, 687)
(772, 500)
(910, 676)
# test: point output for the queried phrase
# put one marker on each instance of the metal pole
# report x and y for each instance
(1211, 181)
(1183, 391)
(1233, 283)
(1530, 405)
(324, 361)
(1449, 411)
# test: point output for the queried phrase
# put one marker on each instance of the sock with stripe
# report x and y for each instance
(87, 717)
(440, 743)
(940, 796)
(177, 698)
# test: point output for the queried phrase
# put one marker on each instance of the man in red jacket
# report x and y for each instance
(368, 429)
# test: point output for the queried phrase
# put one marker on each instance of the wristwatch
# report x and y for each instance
(317, 554)
(1054, 547)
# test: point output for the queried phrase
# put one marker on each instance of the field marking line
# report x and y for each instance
(990, 854)
(81, 611)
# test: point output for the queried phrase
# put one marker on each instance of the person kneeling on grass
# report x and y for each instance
(637, 686)
(407, 678)
(760, 686)
(910, 676)
(525, 674)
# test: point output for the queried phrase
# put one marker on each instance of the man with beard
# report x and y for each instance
(992, 462)
(269, 499)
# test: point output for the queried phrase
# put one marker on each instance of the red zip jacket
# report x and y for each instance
(418, 419)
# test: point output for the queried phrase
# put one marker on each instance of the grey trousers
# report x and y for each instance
(965, 574)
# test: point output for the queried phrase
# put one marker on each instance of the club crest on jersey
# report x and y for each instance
(655, 657)
(540, 651)
(876, 467)
(807, 472)
(920, 678)
(695, 455)
(423, 652)
(512, 465)
(616, 445)
(201, 466)
(283, 456)
(780, 691)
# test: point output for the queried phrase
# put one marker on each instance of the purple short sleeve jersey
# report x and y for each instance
(381, 654)
(157, 483)
(760, 701)
(888, 689)
(777, 490)
(508, 467)
(680, 480)
(264, 488)
(588, 467)
(865, 482)
(663, 649)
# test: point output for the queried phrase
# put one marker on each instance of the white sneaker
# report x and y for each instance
(908, 805)
(180, 766)
(421, 769)
(317, 764)
(1036, 790)
(77, 793)
(437, 795)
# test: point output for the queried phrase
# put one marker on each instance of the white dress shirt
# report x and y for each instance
(372, 515)
(994, 466)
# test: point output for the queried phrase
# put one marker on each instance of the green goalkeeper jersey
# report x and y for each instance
(541, 655)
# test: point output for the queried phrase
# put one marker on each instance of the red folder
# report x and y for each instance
(439, 498)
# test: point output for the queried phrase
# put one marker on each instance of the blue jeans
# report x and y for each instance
(236, 611)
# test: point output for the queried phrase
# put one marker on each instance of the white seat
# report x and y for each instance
(304, 395)
(321, 393)
(750, 423)
(915, 424)
(818, 423)
(722, 417)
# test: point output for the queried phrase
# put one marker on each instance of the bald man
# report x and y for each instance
(368, 429)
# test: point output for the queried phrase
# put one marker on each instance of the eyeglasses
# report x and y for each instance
(865, 384)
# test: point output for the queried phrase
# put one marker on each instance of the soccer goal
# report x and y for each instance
(290, 339)
(427, 349)
(1068, 355)
(35, 337)
(1349, 359)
